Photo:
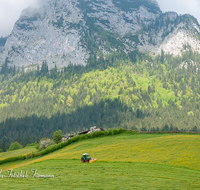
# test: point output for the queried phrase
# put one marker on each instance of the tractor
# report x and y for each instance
(85, 158)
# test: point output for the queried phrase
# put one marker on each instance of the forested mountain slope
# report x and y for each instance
(98, 63)
(137, 91)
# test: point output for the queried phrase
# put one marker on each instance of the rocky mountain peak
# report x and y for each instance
(66, 32)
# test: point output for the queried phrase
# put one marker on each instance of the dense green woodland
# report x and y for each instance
(133, 91)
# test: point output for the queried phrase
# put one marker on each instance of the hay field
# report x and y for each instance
(23, 151)
(126, 161)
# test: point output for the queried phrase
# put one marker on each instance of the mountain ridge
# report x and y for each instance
(69, 32)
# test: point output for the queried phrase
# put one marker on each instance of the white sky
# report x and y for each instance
(10, 10)
(181, 7)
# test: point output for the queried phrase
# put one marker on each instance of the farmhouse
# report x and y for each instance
(92, 129)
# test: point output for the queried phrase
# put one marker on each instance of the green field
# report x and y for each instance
(126, 161)
(23, 151)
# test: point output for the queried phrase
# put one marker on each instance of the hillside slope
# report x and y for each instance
(148, 94)
(145, 160)
(167, 149)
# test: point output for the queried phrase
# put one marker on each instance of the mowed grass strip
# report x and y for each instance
(72, 174)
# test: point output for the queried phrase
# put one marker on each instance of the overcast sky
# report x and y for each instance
(10, 10)
(181, 7)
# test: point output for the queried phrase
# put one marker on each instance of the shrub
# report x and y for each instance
(15, 146)
(115, 131)
(52, 148)
(75, 139)
(121, 130)
(28, 156)
(43, 152)
(44, 143)
(64, 144)
(1, 150)
(11, 159)
(32, 155)
(32, 144)
(37, 146)
(85, 136)
(105, 133)
(35, 154)
(110, 132)
(96, 134)
(69, 141)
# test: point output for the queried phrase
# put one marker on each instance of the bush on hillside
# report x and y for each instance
(115, 131)
(12, 159)
(51, 149)
(110, 131)
(121, 130)
(32, 144)
(37, 146)
(28, 156)
(15, 146)
(97, 134)
(1, 150)
(44, 143)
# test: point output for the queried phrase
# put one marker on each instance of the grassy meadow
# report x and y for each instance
(125, 161)
(19, 152)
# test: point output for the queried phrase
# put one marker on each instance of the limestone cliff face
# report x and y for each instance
(53, 30)
(177, 42)
(65, 31)
(45, 33)
(122, 16)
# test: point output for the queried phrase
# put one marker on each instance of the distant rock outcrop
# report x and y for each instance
(171, 33)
